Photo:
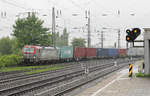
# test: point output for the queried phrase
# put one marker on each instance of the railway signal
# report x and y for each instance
(132, 34)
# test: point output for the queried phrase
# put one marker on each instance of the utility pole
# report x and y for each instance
(53, 27)
(102, 38)
(89, 30)
(127, 45)
(3, 14)
(29, 14)
(118, 38)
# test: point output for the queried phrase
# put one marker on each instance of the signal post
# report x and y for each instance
(132, 34)
(147, 50)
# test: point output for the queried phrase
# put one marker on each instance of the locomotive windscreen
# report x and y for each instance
(28, 50)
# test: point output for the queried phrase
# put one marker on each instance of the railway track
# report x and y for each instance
(14, 74)
(21, 87)
(64, 88)
(69, 86)
(6, 76)
(21, 77)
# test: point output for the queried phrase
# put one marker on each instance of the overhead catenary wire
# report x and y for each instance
(20, 4)
(12, 4)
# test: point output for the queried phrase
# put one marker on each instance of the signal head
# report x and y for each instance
(132, 34)
(128, 31)
(129, 38)
(136, 30)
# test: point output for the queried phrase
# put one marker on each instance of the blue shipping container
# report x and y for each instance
(106, 52)
(112, 52)
(102, 52)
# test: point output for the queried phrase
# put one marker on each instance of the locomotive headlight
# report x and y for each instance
(34, 56)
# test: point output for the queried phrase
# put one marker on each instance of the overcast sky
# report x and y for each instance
(112, 21)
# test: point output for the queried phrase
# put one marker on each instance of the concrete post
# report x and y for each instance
(147, 50)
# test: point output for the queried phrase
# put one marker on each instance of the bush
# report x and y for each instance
(142, 75)
(9, 60)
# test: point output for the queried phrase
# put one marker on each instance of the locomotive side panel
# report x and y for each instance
(48, 54)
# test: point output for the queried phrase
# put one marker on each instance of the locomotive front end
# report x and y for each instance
(29, 54)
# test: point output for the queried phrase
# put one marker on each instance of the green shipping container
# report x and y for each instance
(65, 52)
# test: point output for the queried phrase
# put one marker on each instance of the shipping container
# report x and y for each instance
(112, 52)
(106, 52)
(101, 52)
(122, 52)
(79, 53)
(135, 52)
(65, 52)
(90, 52)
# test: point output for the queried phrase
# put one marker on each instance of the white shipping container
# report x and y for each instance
(135, 52)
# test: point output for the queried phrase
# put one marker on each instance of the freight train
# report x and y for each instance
(37, 54)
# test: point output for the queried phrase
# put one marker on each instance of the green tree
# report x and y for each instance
(5, 46)
(15, 48)
(30, 31)
(78, 42)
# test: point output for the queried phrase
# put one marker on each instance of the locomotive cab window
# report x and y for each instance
(30, 50)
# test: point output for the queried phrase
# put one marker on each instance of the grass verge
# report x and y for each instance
(44, 70)
(142, 75)
(26, 68)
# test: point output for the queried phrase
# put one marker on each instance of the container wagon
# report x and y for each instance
(107, 53)
(113, 53)
(65, 53)
(84, 53)
(122, 52)
(79, 53)
(90, 52)
(135, 52)
(101, 53)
